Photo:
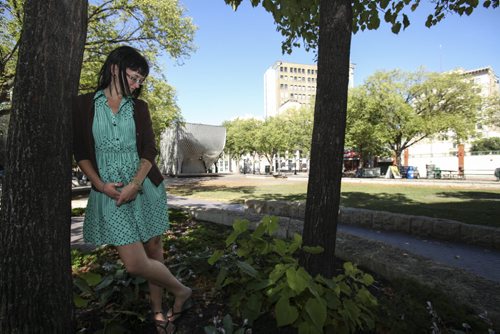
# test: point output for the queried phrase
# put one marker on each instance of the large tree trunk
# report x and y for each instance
(35, 262)
(323, 192)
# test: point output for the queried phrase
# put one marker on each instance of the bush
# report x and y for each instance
(262, 276)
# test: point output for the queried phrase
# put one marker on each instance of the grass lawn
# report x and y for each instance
(471, 205)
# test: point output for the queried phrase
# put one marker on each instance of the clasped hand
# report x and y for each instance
(124, 195)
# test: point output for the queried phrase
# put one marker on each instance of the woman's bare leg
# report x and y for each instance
(154, 250)
(137, 263)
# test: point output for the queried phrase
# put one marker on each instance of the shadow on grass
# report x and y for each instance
(277, 197)
(197, 187)
(473, 195)
(480, 209)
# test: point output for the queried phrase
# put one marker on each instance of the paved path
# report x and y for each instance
(479, 261)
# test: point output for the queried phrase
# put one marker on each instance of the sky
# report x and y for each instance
(224, 78)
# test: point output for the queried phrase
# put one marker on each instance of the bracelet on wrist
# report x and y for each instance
(134, 181)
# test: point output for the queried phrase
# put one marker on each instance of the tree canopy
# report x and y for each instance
(486, 145)
(394, 110)
(286, 132)
(298, 20)
(154, 27)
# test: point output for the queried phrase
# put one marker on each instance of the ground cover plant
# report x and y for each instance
(466, 203)
(108, 300)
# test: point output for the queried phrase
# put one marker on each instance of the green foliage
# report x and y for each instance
(101, 285)
(77, 212)
(163, 108)
(154, 27)
(240, 135)
(486, 145)
(289, 131)
(394, 110)
(262, 276)
(364, 133)
(299, 20)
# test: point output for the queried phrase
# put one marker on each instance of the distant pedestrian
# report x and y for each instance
(497, 173)
(127, 207)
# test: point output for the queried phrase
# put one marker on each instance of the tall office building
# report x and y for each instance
(291, 85)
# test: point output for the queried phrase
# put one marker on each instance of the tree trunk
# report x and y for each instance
(323, 192)
(35, 263)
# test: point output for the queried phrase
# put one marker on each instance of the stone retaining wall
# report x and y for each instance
(427, 227)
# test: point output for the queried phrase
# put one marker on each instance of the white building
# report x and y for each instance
(291, 85)
(444, 153)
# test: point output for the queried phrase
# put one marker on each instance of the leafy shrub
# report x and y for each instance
(77, 212)
(262, 276)
(102, 286)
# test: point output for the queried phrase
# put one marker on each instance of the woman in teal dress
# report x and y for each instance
(127, 207)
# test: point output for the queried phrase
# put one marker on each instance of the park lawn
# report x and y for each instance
(478, 206)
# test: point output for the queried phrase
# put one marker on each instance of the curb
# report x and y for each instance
(422, 226)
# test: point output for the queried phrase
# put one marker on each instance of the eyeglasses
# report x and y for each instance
(135, 79)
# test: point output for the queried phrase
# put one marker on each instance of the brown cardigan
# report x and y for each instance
(83, 140)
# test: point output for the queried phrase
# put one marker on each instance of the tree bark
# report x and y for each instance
(35, 263)
(323, 192)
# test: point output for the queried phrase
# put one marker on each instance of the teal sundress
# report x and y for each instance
(118, 161)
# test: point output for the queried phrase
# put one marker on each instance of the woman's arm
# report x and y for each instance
(106, 188)
(129, 192)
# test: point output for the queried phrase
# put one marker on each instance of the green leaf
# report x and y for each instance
(396, 27)
(258, 285)
(107, 281)
(406, 21)
(251, 308)
(79, 301)
(384, 3)
(221, 277)
(227, 321)
(215, 257)
(286, 314)
(352, 309)
(348, 268)
(105, 296)
(277, 272)
(280, 246)
(368, 279)
(247, 268)
(271, 223)
(81, 284)
(297, 279)
(259, 231)
(91, 278)
(239, 226)
(316, 309)
(308, 328)
(210, 330)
